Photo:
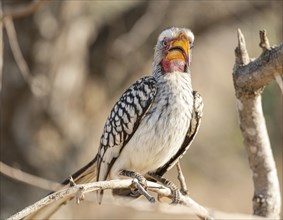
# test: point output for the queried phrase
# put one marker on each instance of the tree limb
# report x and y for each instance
(182, 180)
(250, 78)
(38, 86)
(19, 175)
(78, 190)
(16, 50)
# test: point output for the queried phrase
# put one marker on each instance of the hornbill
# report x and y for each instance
(153, 123)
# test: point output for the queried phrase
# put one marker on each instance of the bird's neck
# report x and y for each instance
(175, 81)
(158, 71)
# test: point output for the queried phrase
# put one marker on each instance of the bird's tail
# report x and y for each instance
(85, 175)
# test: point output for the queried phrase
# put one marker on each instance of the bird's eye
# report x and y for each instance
(191, 46)
(164, 43)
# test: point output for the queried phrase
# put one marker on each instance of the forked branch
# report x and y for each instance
(250, 78)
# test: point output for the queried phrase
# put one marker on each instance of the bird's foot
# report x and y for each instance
(80, 195)
(71, 181)
(176, 196)
(176, 193)
(139, 183)
(140, 178)
(184, 191)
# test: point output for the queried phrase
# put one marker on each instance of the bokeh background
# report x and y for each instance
(84, 54)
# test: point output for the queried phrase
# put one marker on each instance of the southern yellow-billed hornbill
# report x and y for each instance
(154, 122)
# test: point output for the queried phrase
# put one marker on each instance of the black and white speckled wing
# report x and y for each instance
(123, 121)
(193, 129)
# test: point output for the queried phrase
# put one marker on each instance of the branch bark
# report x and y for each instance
(250, 78)
(79, 190)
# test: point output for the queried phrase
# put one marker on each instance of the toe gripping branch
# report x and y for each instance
(79, 195)
(176, 194)
(139, 183)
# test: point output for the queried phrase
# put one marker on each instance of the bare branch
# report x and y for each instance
(16, 50)
(21, 176)
(249, 81)
(241, 53)
(264, 42)
(253, 76)
(23, 11)
(37, 85)
(181, 178)
(72, 192)
(78, 191)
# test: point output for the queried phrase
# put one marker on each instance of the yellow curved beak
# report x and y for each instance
(179, 49)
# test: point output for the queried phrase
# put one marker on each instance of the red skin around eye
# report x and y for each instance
(173, 65)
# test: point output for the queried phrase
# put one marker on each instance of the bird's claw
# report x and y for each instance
(135, 193)
(184, 192)
(139, 183)
(176, 196)
(142, 190)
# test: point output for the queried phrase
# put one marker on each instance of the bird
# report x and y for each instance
(153, 124)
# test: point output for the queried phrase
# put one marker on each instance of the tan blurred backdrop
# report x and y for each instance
(84, 54)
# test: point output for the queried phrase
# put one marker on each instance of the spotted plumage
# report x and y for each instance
(123, 121)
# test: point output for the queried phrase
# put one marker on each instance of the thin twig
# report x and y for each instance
(23, 11)
(38, 86)
(181, 178)
(24, 177)
(241, 53)
(264, 42)
(16, 50)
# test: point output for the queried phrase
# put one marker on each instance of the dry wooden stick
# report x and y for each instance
(78, 191)
(264, 42)
(19, 175)
(37, 86)
(72, 191)
(182, 180)
(16, 50)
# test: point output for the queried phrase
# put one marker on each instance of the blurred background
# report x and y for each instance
(82, 55)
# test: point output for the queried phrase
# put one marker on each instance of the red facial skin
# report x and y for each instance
(175, 65)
